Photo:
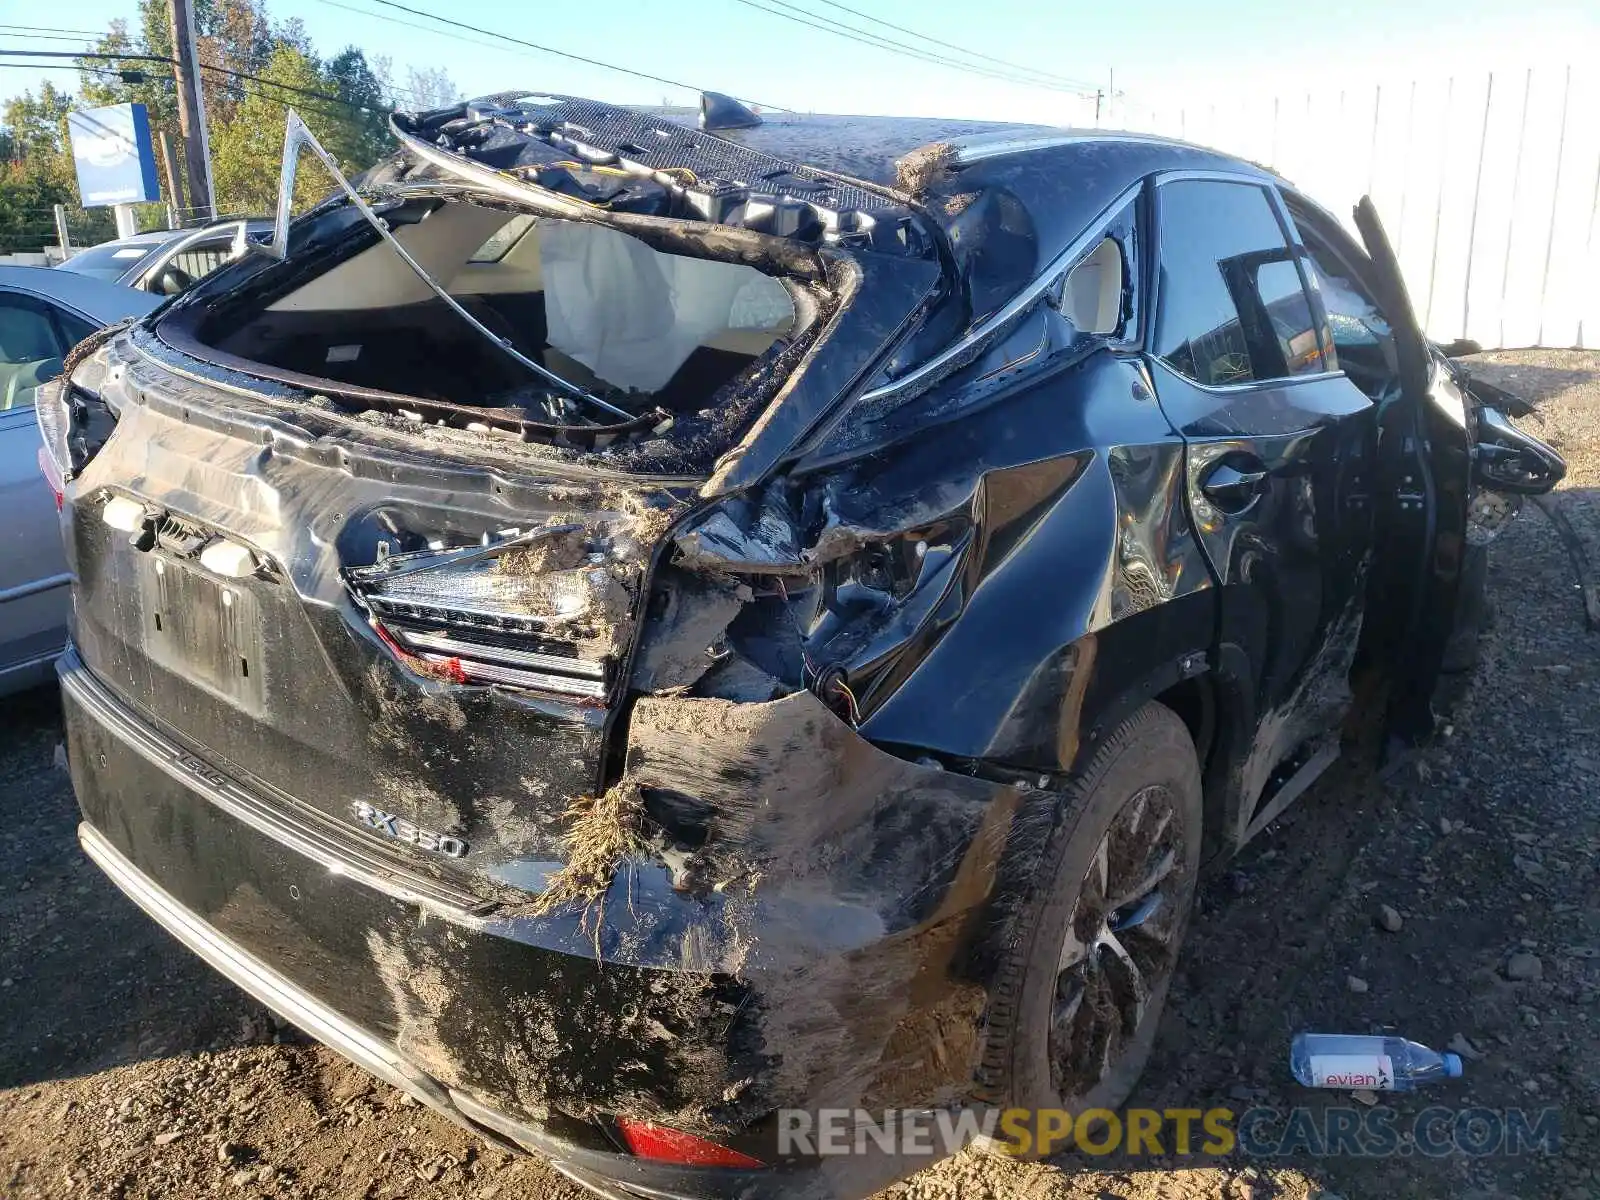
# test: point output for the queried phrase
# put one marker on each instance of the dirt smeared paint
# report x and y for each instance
(925, 168)
(839, 887)
(560, 551)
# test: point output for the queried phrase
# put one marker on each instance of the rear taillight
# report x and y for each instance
(487, 615)
(50, 410)
(52, 475)
(648, 1140)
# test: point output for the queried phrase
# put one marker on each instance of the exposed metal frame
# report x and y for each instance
(297, 137)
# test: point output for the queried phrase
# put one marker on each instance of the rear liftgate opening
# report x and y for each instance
(450, 307)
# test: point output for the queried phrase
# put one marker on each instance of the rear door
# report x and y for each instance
(1279, 456)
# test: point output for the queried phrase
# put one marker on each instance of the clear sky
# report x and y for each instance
(1163, 53)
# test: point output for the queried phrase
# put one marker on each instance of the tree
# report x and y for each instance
(430, 87)
(363, 137)
(247, 154)
(252, 72)
(38, 172)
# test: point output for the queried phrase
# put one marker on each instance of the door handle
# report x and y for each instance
(1230, 488)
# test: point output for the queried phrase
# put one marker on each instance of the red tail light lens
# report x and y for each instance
(52, 476)
(648, 1140)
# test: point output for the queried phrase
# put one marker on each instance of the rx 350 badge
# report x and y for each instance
(403, 830)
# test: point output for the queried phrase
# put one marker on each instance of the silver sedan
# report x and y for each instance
(43, 314)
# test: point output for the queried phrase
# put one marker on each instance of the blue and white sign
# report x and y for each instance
(114, 154)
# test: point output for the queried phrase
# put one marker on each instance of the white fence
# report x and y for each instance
(1488, 186)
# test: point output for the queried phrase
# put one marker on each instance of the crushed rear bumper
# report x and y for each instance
(346, 947)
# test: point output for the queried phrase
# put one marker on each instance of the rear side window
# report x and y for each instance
(31, 348)
(1232, 305)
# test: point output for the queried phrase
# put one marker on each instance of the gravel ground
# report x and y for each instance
(127, 1069)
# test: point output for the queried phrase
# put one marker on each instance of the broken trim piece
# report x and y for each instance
(297, 137)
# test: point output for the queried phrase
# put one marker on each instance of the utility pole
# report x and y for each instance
(61, 232)
(191, 109)
(169, 166)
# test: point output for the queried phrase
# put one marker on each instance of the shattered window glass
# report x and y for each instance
(1353, 318)
(1232, 306)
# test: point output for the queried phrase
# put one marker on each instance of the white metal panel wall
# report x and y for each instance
(1488, 185)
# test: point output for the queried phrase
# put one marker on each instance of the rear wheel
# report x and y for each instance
(1073, 1013)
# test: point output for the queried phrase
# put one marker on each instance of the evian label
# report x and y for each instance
(1370, 1071)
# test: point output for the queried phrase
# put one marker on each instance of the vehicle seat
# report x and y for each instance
(22, 378)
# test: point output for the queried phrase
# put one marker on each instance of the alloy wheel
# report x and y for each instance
(1121, 941)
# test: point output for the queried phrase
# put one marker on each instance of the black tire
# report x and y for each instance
(1150, 761)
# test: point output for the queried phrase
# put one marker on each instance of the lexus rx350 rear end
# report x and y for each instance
(640, 641)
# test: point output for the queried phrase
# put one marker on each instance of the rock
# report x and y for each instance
(1531, 868)
(1523, 967)
(1364, 1096)
(266, 1173)
(1387, 919)
(1445, 826)
(242, 1178)
(167, 1138)
(1459, 1044)
(1357, 985)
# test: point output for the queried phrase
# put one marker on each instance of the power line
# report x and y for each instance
(45, 37)
(65, 67)
(367, 12)
(167, 79)
(850, 33)
(593, 62)
(84, 54)
(1077, 83)
(156, 58)
(55, 29)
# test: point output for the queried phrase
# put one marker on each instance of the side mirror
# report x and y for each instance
(1091, 296)
(1510, 461)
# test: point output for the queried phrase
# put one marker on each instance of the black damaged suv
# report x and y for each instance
(624, 630)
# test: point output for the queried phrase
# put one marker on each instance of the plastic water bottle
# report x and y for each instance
(1378, 1064)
